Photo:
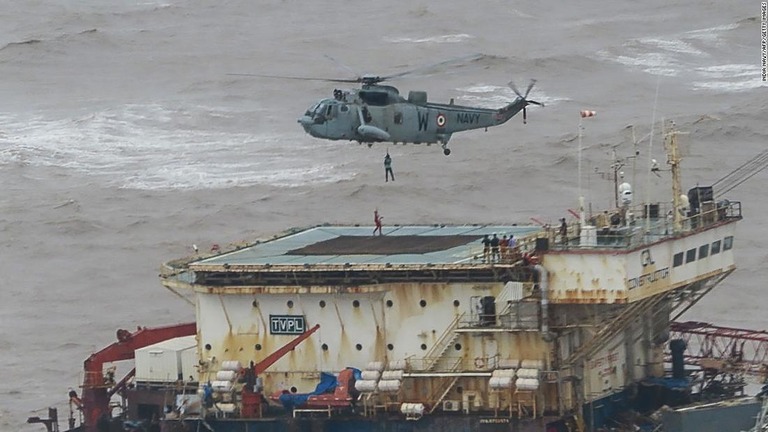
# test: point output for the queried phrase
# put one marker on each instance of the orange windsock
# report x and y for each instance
(587, 113)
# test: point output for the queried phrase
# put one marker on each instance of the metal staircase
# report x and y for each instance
(614, 327)
(449, 336)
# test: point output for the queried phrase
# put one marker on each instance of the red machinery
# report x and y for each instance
(252, 400)
(97, 391)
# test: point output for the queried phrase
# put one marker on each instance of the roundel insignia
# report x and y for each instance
(441, 120)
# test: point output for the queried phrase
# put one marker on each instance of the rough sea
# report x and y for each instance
(125, 139)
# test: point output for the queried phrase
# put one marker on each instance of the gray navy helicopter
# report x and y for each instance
(378, 113)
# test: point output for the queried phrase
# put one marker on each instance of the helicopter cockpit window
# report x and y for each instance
(311, 111)
(320, 111)
(398, 118)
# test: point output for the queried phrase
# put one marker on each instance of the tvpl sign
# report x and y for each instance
(287, 324)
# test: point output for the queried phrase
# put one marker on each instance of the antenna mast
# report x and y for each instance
(673, 159)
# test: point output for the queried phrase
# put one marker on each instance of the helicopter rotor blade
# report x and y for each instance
(426, 69)
(530, 86)
(512, 85)
(353, 80)
(343, 66)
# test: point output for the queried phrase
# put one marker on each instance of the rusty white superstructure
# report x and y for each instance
(438, 327)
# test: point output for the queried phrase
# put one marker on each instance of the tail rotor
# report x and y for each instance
(523, 97)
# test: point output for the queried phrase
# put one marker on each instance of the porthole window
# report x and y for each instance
(390, 347)
(456, 303)
(356, 303)
(324, 347)
(208, 347)
(457, 347)
(294, 389)
(423, 303)
(255, 303)
(258, 347)
(423, 347)
(322, 303)
(290, 303)
(389, 303)
(359, 347)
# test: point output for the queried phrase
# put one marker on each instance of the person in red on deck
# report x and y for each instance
(377, 220)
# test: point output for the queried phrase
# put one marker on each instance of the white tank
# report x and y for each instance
(532, 364)
(527, 383)
(221, 385)
(412, 409)
(231, 365)
(226, 375)
(528, 373)
(504, 373)
(389, 385)
(501, 382)
(365, 386)
(375, 366)
(370, 375)
(392, 375)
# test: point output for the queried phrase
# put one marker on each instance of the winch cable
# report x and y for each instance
(741, 174)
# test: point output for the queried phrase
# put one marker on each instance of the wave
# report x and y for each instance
(152, 147)
(35, 41)
(440, 39)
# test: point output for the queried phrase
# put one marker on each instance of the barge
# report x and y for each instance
(426, 326)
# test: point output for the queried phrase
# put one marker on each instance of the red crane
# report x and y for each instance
(97, 391)
(738, 349)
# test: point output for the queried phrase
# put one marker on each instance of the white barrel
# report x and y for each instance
(501, 382)
(392, 375)
(226, 375)
(389, 385)
(503, 373)
(231, 365)
(527, 384)
(396, 365)
(371, 375)
(221, 385)
(532, 364)
(375, 366)
(365, 386)
(509, 363)
(412, 409)
(527, 373)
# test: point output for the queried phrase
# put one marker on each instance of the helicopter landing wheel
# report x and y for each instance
(446, 151)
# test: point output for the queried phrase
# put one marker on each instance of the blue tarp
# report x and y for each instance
(327, 384)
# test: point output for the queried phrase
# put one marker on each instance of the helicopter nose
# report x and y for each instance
(305, 120)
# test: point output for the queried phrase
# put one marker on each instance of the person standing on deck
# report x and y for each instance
(563, 231)
(377, 221)
(495, 248)
(486, 248)
(388, 168)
